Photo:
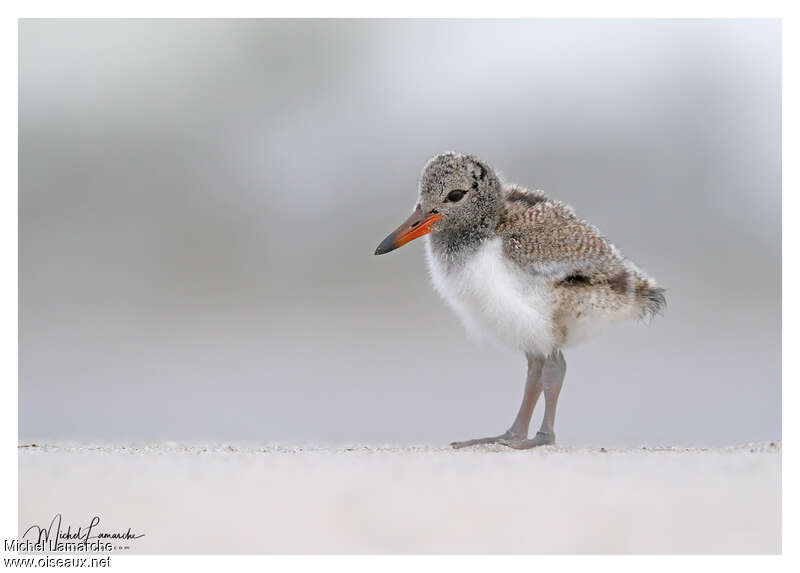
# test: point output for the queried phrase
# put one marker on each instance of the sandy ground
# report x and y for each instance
(370, 499)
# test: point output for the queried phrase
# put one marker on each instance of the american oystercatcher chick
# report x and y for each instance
(524, 269)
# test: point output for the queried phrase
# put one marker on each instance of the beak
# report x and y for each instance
(412, 228)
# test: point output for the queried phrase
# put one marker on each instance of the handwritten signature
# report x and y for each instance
(56, 532)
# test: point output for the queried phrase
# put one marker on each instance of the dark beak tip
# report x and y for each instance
(386, 245)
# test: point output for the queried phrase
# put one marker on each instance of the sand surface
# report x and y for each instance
(236, 498)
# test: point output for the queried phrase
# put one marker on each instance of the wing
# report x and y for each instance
(547, 238)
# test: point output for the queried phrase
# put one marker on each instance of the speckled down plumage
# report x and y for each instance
(588, 273)
(523, 266)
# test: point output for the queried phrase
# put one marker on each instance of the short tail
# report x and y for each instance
(652, 299)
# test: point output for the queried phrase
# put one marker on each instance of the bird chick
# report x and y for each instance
(522, 268)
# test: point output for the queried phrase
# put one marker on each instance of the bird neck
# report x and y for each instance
(455, 245)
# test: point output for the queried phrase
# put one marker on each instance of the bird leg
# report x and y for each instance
(519, 429)
(552, 378)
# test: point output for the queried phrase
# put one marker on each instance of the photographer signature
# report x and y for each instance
(56, 532)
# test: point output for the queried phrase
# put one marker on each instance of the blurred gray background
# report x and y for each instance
(200, 201)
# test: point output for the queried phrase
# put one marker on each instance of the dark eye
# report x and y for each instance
(456, 195)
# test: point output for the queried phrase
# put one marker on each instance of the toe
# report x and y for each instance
(540, 440)
(477, 442)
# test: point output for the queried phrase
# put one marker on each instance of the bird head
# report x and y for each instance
(456, 193)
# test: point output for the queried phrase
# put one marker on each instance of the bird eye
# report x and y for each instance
(456, 195)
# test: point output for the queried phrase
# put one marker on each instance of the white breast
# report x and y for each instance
(492, 296)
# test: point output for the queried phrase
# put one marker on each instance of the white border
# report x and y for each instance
(464, 8)
(8, 284)
(405, 9)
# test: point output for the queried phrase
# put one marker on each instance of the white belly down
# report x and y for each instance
(494, 297)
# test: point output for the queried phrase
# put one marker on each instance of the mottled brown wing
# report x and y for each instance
(545, 236)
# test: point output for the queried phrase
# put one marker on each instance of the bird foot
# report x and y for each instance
(541, 439)
(508, 436)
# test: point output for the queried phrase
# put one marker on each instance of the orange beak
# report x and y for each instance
(412, 228)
